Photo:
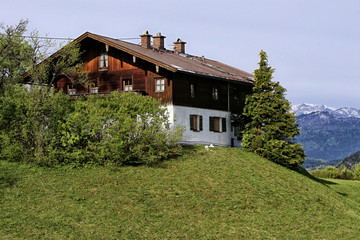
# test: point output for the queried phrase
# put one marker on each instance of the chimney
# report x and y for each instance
(146, 39)
(179, 46)
(158, 41)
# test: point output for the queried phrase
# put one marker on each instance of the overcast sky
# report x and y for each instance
(314, 45)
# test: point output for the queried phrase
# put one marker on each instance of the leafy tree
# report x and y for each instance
(270, 128)
(37, 113)
(357, 171)
(15, 54)
(346, 174)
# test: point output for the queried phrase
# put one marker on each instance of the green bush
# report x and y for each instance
(29, 122)
(346, 174)
(333, 172)
(328, 172)
(121, 128)
(357, 172)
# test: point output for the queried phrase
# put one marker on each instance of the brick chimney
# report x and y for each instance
(179, 46)
(158, 41)
(146, 39)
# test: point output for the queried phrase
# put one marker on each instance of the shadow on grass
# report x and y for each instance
(305, 173)
(7, 179)
(343, 194)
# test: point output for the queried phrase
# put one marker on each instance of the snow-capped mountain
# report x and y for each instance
(343, 112)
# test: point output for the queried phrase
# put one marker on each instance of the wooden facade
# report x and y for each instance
(113, 69)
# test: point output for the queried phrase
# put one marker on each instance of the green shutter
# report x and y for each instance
(211, 123)
(223, 124)
(200, 123)
(191, 122)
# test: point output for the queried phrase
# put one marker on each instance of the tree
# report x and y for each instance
(15, 54)
(270, 128)
(37, 108)
(357, 171)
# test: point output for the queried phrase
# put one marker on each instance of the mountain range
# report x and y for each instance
(344, 112)
(328, 133)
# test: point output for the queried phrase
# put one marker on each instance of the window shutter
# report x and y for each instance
(223, 125)
(200, 123)
(211, 123)
(191, 122)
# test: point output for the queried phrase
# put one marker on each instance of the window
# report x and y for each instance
(196, 123)
(72, 90)
(94, 87)
(127, 85)
(223, 124)
(192, 90)
(160, 85)
(217, 124)
(103, 60)
(215, 94)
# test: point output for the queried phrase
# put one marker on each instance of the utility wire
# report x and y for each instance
(69, 39)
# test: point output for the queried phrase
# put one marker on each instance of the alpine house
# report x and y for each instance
(200, 94)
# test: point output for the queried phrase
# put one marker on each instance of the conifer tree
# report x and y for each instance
(270, 128)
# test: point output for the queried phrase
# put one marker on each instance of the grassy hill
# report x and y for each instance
(221, 194)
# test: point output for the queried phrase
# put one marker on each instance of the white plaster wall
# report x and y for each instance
(179, 115)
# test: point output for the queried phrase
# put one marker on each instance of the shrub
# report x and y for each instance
(29, 122)
(346, 174)
(357, 172)
(121, 128)
(47, 128)
(328, 172)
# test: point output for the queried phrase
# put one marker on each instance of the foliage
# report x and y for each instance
(48, 128)
(29, 122)
(226, 193)
(357, 172)
(334, 173)
(270, 128)
(41, 126)
(121, 128)
(312, 164)
(15, 54)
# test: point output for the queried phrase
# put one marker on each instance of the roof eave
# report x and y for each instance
(124, 49)
(248, 82)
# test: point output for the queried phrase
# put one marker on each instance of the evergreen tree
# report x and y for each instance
(270, 128)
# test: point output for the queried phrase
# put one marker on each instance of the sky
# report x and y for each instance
(313, 45)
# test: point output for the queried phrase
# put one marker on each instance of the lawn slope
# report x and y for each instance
(220, 194)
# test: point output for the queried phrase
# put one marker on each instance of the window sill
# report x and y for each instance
(103, 69)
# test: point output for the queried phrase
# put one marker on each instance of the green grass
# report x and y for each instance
(221, 194)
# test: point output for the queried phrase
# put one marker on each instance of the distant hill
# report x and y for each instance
(311, 164)
(326, 135)
(350, 161)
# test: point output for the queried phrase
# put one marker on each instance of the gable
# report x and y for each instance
(174, 62)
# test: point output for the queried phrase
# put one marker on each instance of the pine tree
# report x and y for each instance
(270, 128)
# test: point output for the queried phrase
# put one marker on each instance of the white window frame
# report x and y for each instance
(127, 87)
(104, 60)
(160, 85)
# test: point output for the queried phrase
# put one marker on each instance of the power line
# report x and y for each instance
(68, 39)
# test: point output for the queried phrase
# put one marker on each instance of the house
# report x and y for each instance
(200, 94)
